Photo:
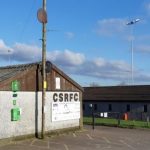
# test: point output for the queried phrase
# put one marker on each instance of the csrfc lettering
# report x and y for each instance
(65, 97)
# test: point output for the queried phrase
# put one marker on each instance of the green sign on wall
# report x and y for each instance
(15, 86)
(15, 114)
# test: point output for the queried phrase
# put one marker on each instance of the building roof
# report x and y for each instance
(11, 71)
(8, 72)
(117, 93)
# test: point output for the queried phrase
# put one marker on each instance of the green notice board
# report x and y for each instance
(15, 86)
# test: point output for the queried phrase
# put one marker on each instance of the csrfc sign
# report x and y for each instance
(66, 97)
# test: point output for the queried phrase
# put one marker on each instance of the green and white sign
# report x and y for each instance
(15, 112)
(15, 86)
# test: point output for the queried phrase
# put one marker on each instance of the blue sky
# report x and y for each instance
(88, 39)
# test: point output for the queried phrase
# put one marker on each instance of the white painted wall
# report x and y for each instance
(30, 104)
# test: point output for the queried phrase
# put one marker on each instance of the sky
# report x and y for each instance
(87, 39)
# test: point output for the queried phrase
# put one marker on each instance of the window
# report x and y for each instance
(83, 106)
(145, 108)
(57, 83)
(95, 106)
(109, 107)
(128, 107)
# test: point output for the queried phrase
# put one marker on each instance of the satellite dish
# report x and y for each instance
(48, 67)
(42, 15)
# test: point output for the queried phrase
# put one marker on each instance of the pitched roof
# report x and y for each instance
(117, 93)
(11, 71)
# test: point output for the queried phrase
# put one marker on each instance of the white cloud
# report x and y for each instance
(4, 49)
(74, 63)
(103, 69)
(69, 35)
(121, 65)
(147, 7)
(99, 62)
(111, 27)
(143, 48)
(108, 69)
(24, 52)
(143, 38)
(66, 57)
(98, 68)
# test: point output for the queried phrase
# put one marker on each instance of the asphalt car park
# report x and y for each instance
(101, 138)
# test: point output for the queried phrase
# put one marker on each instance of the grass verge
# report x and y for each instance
(114, 122)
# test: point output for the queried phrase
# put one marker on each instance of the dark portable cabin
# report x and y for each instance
(133, 100)
(21, 109)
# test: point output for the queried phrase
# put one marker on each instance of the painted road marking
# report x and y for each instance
(127, 144)
(32, 142)
(89, 136)
(48, 144)
(106, 140)
(66, 147)
(74, 135)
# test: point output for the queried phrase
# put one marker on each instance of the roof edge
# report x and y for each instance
(40, 63)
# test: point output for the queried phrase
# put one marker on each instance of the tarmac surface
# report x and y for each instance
(102, 138)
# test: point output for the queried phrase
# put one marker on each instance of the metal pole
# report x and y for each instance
(132, 70)
(118, 119)
(93, 119)
(132, 38)
(43, 73)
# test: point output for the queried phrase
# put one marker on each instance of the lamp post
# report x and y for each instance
(132, 69)
(92, 111)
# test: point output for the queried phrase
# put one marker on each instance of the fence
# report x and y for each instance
(130, 119)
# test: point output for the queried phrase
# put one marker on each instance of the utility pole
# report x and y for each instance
(42, 17)
(43, 72)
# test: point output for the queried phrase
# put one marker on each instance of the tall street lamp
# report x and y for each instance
(132, 22)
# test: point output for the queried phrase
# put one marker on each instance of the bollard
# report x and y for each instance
(118, 119)
(147, 119)
(125, 116)
(93, 121)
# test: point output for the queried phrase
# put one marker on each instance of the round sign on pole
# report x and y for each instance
(42, 15)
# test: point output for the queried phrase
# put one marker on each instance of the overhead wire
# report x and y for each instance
(27, 20)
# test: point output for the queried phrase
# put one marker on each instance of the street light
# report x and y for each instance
(91, 107)
(92, 110)
(132, 22)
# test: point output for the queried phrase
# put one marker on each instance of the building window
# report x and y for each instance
(109, 107)
(95, 106)
(83, 106)
(57, 83)
(128, 107)
(145, 108)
